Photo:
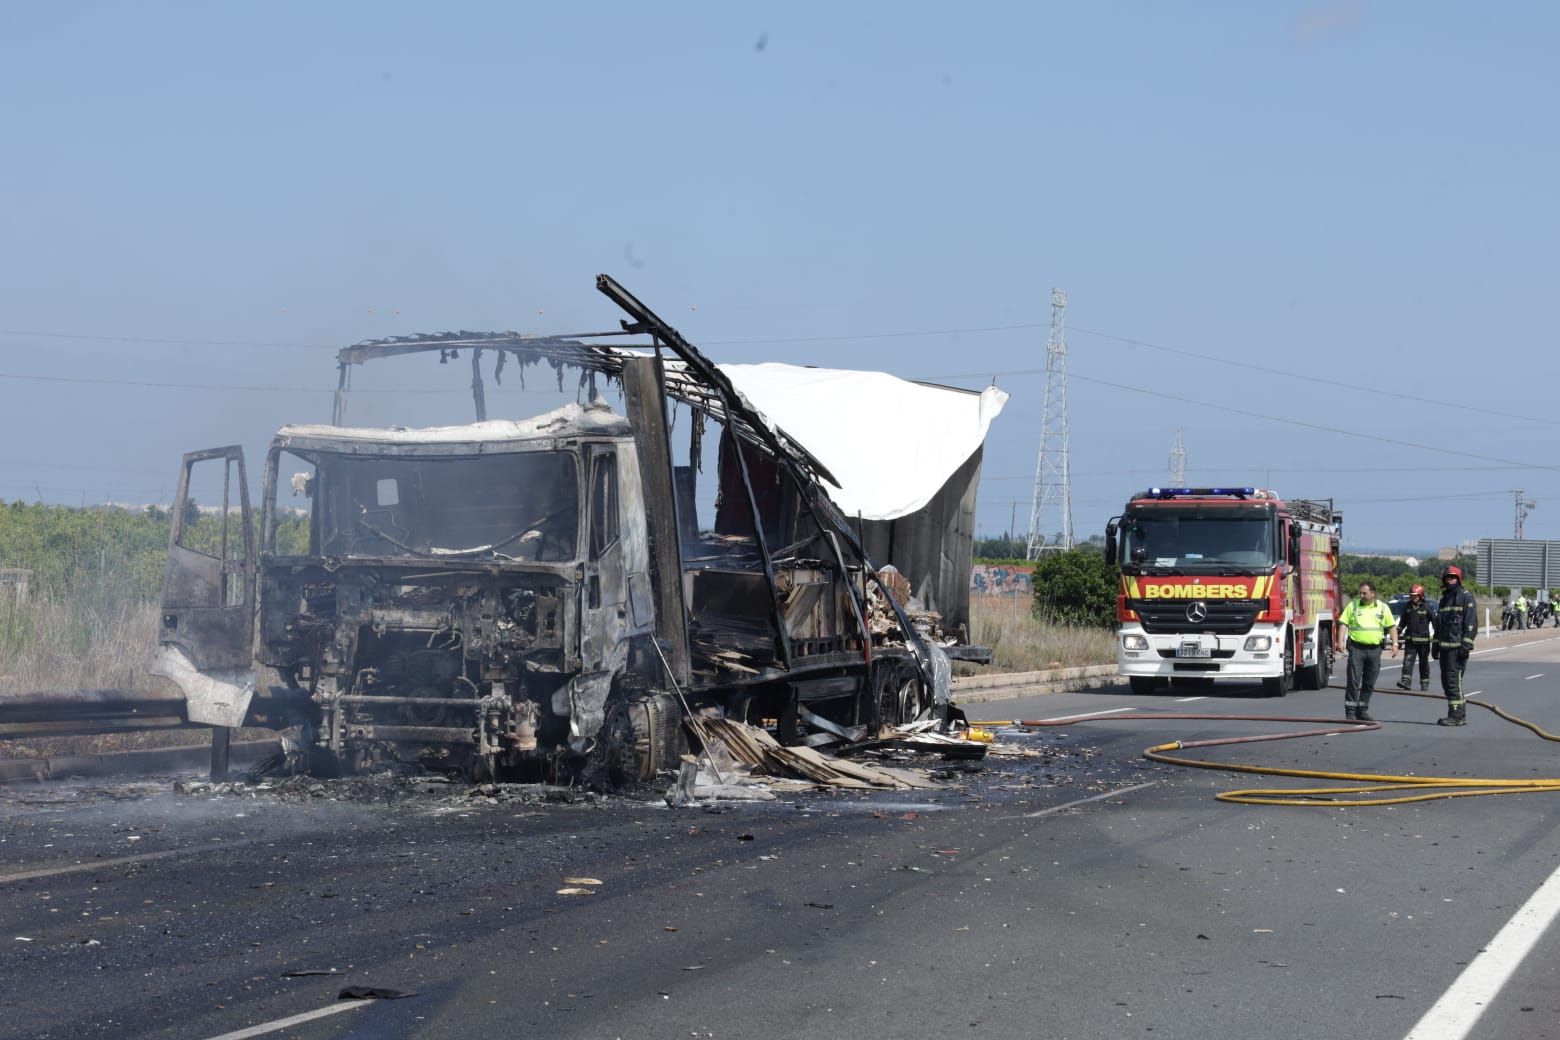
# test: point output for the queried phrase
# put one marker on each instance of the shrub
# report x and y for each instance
(1076, 587)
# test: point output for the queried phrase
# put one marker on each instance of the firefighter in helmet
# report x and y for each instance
(1456, 624)
(1413, 633)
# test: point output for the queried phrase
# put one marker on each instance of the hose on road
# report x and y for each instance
(1419, 788)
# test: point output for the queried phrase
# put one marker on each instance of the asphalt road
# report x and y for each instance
(1081, 893)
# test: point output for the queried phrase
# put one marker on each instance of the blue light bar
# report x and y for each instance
(1243, 492)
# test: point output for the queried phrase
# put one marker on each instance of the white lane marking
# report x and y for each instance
(293, 1020)
(145, 857)
(1455, 1014)
(1086, 801)
(1089, 715)
(1188, 700)
(1540, 675)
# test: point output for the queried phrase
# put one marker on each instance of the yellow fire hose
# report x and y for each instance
(1425, 788)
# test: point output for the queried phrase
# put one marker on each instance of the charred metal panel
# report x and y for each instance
(642, 396)
(636, 541)
(213, 696)
(208, 592)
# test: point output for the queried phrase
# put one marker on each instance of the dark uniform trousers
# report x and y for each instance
(1364, 666)
(1417, 648)
(1452, 671)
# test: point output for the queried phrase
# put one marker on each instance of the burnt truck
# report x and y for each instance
(554, 594)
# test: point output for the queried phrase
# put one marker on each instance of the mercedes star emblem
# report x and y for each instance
(1197, 612)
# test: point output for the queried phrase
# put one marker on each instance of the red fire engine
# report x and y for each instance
(1226, 583)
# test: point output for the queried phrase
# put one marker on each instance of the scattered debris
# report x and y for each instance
(581, 881)
(576, 891)
(372, 993)
(763, 754)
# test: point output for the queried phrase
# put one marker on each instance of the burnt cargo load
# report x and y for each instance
(1226, 583)
(560, 591)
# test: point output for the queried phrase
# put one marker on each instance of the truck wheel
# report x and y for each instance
(640, 737)
(1309, 677)
(886, 706)
(1279, 685)
(1324, 663)
(1143, 685)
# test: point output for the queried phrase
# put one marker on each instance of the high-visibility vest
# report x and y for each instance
(1367, 625)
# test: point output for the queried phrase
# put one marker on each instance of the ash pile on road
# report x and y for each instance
(388, 787)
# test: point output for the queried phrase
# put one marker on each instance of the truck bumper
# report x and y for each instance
(1229, 659)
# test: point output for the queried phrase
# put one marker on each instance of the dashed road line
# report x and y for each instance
(1188, 700)
(1540, 675)
(98, 864)
(293, 1020)
(1073, 805)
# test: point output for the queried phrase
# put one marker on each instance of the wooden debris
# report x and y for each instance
(758, 750)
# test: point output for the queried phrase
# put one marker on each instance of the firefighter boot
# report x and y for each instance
(1362, 715)
(1403, 683)
(1424, 684)
(1455, 718)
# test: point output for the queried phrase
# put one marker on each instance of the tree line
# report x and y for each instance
(1077, 586)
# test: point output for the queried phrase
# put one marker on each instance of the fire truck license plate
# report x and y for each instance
(1193, 650)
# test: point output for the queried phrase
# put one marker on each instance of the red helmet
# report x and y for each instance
(1417, 590)
(1452, 571)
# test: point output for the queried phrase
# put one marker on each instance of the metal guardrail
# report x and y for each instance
(72, 713)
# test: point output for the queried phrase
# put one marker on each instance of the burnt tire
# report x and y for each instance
(898, 694)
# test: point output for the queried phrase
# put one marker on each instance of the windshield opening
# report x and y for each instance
(1182, 541)
(514, 506)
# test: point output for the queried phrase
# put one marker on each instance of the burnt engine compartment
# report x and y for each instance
(458, 663)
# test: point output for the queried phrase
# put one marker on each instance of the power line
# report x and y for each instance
(1251, 367)
(257, 388)
(184, 342)
(1252, 467)
(1372, 437)
(1113, 337)
(875, 335)
(166, 340)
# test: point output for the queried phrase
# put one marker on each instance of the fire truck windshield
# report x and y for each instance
(1191, 541)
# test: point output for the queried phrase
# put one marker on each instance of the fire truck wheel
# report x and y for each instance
(1316, 676)
(1279, 685)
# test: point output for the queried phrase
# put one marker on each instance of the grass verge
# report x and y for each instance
(1023, 643)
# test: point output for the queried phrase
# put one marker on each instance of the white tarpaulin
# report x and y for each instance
(892, 443)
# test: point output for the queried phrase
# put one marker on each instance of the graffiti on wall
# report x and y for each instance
(991, 579)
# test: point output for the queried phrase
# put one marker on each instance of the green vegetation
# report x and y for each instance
(1394, 576)
(1076, 587)
(89, 614)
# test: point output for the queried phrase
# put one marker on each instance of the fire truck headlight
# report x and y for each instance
(1132, 641)
(1259, 642)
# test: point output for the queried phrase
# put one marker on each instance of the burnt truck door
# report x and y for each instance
(605, 595)
(206, 632)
